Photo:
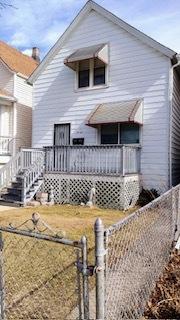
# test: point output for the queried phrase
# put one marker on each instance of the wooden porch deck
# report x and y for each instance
(104, 160)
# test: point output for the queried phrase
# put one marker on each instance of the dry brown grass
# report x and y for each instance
(40, 277)
(74, 220)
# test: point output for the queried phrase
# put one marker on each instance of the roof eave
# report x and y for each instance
(6, 66)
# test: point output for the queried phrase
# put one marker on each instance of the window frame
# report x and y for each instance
(119, 134)
(91, 77)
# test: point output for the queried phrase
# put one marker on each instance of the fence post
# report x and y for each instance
(2, 315)
(177, 231)
(100, 269)
(85, 278)
(174, 212)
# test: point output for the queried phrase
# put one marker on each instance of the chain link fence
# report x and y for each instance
(39, 278)
(138, 250)
(43, 275)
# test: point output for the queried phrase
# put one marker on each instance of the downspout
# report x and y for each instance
(171, 98)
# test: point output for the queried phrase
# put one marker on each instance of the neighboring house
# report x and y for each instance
(15, 101)
(107, 108)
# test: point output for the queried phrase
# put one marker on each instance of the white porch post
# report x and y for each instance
(14, 125)
(123, 159)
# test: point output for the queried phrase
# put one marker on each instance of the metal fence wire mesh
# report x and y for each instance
(39, 278)
(138, 250)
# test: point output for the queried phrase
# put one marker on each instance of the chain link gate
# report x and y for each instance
(42, 274)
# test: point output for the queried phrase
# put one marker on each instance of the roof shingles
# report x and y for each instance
(16, 60)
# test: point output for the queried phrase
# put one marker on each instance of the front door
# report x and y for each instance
(62, 134)
(61, 155)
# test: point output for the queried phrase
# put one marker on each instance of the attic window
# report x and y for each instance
(99, 72)
(90, 64)
(91, 72)
(83, 74)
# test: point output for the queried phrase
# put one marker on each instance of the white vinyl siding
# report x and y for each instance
(23, 91)
(6, 79)
(134, 71)
(176, 130)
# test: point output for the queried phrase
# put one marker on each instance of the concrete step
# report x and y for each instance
(14, 191)
(16, 184)
(11, 198)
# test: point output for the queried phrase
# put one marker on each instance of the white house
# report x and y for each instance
(15, 101)
(105, 85)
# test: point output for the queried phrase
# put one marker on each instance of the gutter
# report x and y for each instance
(177, 63)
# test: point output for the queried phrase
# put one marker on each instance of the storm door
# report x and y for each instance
(62, 134)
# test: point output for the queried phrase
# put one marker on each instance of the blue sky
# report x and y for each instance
(41, 22)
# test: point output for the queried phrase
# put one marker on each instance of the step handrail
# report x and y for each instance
(9, 171)
(30, 176)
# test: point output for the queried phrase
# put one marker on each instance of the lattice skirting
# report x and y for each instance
(111, 192)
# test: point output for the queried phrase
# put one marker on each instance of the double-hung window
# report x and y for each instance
(91, 73)
(83, 74)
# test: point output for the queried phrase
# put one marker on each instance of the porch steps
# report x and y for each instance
(13, 193)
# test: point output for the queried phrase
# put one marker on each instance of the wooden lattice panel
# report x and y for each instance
(111, 192)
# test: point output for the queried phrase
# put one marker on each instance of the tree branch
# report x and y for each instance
(6, 4)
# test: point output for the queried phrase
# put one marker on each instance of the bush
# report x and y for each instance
(147, 196)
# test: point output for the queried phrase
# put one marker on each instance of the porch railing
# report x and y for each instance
(99, 159)
(22, 161)
(5, 148)
(30, 156)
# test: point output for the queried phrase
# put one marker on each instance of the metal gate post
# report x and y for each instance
(2, 315)
(79, 285)
(100, 269)
(177, 227)
(85, 278)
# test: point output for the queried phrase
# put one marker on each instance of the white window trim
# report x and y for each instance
(91, 78)
(119, 135)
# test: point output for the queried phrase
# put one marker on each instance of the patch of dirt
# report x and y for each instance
(165, 300)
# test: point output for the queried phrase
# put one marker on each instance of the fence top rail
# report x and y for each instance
(135, 146)
(120, 224)
(35, 227)
(41, 236)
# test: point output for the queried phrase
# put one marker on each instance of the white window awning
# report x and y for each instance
(117, 112)
(99, 51)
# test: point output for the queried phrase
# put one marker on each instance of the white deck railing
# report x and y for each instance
(23, 160)
(5, 145)
(9, 171)
(31, 175)
(100, 159)
(30, 156)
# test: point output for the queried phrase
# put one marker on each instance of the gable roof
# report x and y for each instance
(16, 61)
(91, 5)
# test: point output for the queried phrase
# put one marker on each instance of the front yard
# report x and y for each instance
(40, 276)
(76, 221)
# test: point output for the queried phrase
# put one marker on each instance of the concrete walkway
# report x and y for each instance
(6, 208)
